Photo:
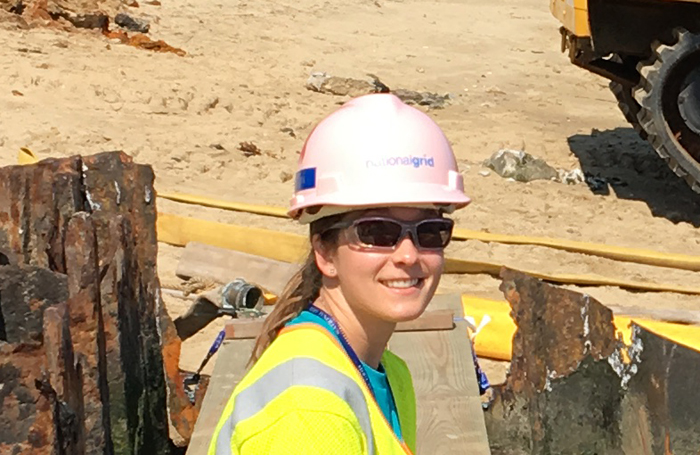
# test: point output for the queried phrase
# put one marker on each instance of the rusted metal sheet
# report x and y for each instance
(574, 388)
(662, 406)
(561, 395)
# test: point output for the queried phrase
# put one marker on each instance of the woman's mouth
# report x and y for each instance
(402, 284)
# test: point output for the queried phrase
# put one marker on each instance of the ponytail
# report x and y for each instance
(301, 290)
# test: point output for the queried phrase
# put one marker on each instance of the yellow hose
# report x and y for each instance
(282, 246)
(639, 256)
(26, 156)
(226, 205)
(495, 340)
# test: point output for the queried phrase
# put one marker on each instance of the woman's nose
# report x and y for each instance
(405, 252)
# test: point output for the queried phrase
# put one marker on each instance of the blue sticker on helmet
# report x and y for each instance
(305, 179)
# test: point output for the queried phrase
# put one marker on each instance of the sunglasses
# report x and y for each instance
(386, 233)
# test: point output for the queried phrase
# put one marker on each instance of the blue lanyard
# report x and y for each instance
(344, 341)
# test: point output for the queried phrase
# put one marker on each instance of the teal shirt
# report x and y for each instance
(377, 378)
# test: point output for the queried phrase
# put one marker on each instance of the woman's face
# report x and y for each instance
(390, 285)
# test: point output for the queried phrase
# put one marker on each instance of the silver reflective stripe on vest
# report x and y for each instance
(295, 372)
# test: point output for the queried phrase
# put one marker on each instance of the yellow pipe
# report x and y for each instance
(495, 340)
(282, 246)
(639, 256)
(226, 205)
(26, 156)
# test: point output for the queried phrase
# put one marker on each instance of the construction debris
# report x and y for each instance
(428, 99)
(344, 86)
(249, 149)
(520, 166)
(80, 14)
(89, 358)
(90, 14)
(131, 23)
(574, 388)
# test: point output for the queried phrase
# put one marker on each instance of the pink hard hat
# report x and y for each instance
(375, 151)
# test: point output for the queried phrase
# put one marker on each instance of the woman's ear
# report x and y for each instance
(324, 257)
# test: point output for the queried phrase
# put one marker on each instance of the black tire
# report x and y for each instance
(669, 97)
(629, 106)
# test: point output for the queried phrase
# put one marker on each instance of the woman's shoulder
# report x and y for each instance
(302, 351)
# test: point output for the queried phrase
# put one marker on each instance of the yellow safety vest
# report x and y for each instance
(304, 396)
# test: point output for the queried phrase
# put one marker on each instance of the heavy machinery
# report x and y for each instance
(650, 51)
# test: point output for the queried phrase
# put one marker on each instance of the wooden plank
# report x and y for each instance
(228, 371)
(237, 329)
(241, 329)
(224, 266)
(450, 417)
(430, 320)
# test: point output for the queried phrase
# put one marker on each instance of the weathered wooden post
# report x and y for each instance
(83, 333)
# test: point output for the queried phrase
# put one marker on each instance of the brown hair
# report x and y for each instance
(301, 290)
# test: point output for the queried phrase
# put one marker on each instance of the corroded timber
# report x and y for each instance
(110, 249)
(26, 415)
(574, 389)
(126, 189)
(93, 219)
(85, 316)
(61, 383)
(36, 203)
(561, 395)
(25, 292)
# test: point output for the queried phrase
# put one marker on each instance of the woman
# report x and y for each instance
(374, 180)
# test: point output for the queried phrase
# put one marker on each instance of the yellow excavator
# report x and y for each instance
(650, 51)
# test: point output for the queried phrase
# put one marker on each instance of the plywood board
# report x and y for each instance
(431, 320)
(450, 417)
(224, 266)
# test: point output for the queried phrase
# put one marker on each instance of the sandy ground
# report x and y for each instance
(243, 80)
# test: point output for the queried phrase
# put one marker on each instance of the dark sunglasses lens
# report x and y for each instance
(434, 234)
(384, 233)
